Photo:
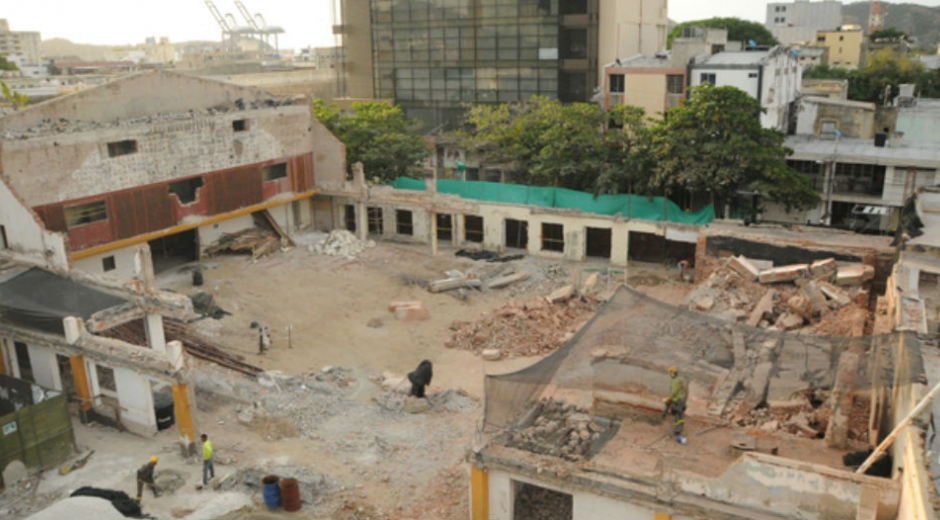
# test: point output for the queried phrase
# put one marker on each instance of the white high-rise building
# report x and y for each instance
(796, 23)
(19, 43)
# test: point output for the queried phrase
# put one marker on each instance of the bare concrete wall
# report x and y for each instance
(60, 167)
(329, 158)
(25, 234)
(133, 97)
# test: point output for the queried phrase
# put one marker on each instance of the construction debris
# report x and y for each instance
(562, 430)
(530, 328)
(799, 299)
(455, 280)
(503, 281)
(341, 243)
(254, 241)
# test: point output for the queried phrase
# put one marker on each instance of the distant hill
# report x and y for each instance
(63, 47)
(919, 21)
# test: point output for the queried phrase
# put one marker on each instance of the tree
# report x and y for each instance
(378, 135)
(714, 142)
(885, 68)
(7, 65)
(890, 34)
(18, 99)
(544, 142)
(738, 30)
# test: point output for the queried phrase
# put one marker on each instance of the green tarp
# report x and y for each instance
(629, 206)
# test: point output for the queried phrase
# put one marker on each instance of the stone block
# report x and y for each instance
(744, 267)
(414, 311)
(589, 284)
(705, 303)
(764, 306)
(823, 268)
(491, 354)
(787, 273)
(561, 294)
(800, 306)
(835, 294)
(854, 275)
(815, 296)
(762, 265)
(789, 321)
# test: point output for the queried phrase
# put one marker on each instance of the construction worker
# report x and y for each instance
(208, 468)
(678, 390)
(145, 476)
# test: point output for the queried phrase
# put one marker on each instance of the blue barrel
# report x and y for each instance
(270, 487)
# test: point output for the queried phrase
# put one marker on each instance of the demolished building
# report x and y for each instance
(160, 158)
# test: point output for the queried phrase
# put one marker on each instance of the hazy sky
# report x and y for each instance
(306, 22)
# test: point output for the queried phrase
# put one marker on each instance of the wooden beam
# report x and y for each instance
(479, 494)
(80, 376)
(182, 411)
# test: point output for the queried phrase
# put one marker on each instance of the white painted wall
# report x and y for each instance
(730, 78)
(780, 86)
(806, 122)
(212, 232)
(123, 263)
(587, 506)
(45, 370)
(25, 235)
(896, 177)
(135, 396)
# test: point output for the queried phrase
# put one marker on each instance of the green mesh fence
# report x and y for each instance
(628, 206)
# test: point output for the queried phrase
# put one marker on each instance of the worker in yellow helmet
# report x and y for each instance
(145, 476)
(678, 390)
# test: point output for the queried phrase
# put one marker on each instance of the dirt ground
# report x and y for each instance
(330, 422)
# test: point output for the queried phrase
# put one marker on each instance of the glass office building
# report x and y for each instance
(434, 56)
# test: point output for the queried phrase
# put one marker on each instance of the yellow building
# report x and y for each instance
(844, 44)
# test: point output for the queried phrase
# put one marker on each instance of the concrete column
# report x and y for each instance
(619, 245)
(362, 221)
(458, 229)
(156, 339)
(143, 265)
(479, 494)
(82, 389)
(174, 352)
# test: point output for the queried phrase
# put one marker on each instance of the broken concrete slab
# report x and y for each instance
(761, 265)
(787, 273)
(491, 354)
(705, 304)
(589, 284)
(789, 321)
(561, 294)
(854, 275)
(835, 294)
(503, 281)
(823, 268)
(800, 306)
(817, 299)
(764, 306)
(744, 267)
(446, 284)
(841, 401)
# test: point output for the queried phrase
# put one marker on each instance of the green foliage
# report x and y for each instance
(890, 34)
(738, 30)
(17, 98)
(885, 68)
(7, 65)
(715, 143)
(378, 135)
(544, 142)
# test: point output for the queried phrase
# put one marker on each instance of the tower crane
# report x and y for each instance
(258, 25)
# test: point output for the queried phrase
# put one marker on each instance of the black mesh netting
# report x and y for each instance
(734, 369)
(126, 505)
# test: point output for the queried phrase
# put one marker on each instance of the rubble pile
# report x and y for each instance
(304, 401)
(531, 328)
(341, 243)
(822, 298)
(564, 431)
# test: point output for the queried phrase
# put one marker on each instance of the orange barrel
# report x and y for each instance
(290, 494)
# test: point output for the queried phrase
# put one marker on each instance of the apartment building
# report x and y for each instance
(431, 59)
(796, 23)
(20, 43)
